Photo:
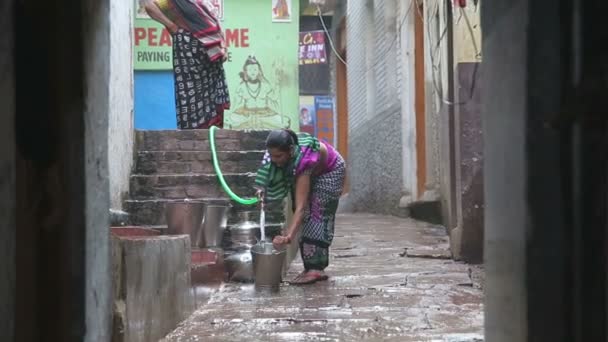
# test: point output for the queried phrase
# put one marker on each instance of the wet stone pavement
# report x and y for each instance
(389, 281)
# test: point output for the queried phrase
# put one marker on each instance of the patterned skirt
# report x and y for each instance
(201, 91)
(320, 218)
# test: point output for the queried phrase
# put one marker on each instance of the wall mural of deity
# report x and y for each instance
(257, 101)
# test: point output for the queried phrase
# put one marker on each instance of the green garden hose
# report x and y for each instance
(220, 176)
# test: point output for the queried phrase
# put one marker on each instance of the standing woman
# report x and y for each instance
(314, 172)
(199, 51)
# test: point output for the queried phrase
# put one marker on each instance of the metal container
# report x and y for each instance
(215, 220)
(184, 218)
(267, 265)
(246, 233)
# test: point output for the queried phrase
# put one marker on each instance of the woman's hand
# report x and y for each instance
(155, 13)
(259, 194)
(281, 240)
(172, 28)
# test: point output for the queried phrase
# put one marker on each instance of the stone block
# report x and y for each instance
(133, 231)
(151, 280)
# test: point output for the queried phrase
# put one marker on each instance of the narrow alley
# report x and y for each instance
(443, 161)
(390, 279)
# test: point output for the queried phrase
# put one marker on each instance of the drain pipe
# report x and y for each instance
(220, 176)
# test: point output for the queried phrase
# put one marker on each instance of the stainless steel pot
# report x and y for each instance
(185, 217)
(245, 233)
(215, 221)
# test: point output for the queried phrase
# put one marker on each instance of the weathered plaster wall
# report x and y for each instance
(7, 173)
(121, 129)
(379, 168)
(454, 133)
(467, 237)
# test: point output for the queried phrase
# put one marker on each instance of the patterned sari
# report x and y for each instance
(201, 91)
(325, 191)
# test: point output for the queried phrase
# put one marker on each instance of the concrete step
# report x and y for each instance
(185, 162)
(152, 212)
(195, 185)
(198, 140)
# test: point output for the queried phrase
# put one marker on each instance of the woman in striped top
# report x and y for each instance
(313, 172)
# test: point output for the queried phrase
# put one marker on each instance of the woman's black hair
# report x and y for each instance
(283, 139)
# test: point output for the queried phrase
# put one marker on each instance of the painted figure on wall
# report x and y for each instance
(257, 101)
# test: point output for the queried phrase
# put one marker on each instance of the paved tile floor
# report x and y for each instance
(389, 281)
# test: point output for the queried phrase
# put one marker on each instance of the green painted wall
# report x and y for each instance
(263, 95)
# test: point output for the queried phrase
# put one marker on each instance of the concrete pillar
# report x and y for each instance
(7, 173)
(504, 124)
(546, 222)
(406, 37)
(98, 63)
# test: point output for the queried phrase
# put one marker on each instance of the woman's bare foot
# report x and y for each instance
(309, 277)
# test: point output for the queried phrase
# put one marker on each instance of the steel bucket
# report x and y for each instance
(267, 265)
(184, 218)
(215, 221)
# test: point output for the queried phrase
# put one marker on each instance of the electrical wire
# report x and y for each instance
(432, 53)
(434, 66)
(331, 41)
(384, 52)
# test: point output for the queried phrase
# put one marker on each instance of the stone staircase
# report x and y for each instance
(149, 267)
(174, 164)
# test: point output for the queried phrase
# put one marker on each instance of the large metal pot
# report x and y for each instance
(185, 217)
(245, 233)
(215, 222)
